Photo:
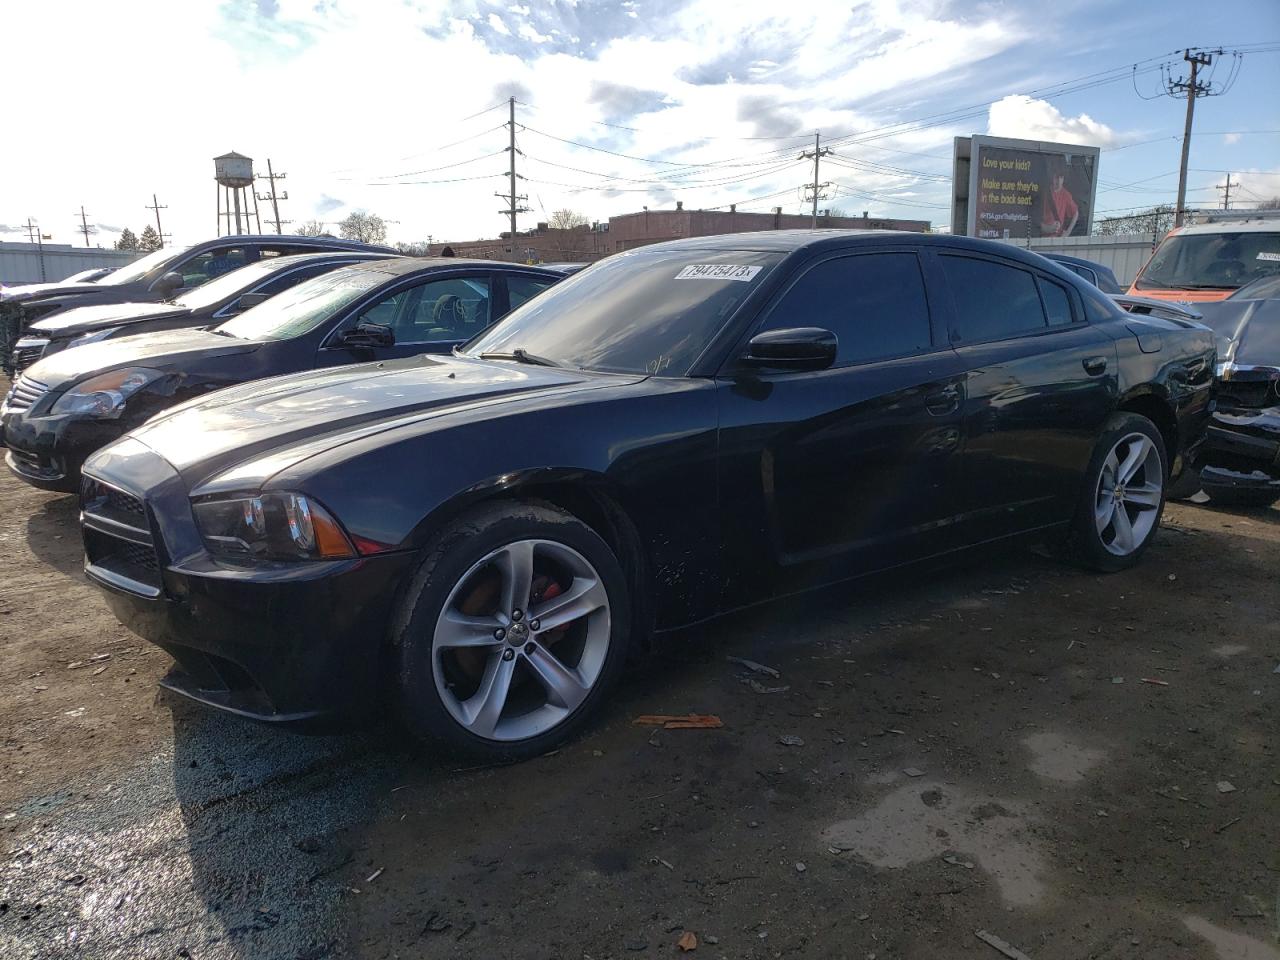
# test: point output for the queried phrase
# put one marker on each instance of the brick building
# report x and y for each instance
(631, 230)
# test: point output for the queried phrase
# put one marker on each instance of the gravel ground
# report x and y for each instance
(974, 748)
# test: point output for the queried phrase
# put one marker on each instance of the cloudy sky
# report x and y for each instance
(396, 106)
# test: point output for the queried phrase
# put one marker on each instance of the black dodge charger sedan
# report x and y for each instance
(207, 304)
(675, 432)
(71, 403)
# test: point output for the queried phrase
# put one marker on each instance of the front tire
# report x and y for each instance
(512, 632)
(1123, 495)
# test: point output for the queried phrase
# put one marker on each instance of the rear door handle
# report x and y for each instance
(1094, 365)
(944, 401)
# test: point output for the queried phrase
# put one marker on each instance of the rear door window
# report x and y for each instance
(1057, 305)
(992, 300)
(520, 289)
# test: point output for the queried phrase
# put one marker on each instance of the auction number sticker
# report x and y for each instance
(718, 271)
(1267, 255)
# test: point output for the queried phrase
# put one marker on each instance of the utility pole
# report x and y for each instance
(819, 152)
(512, 198)
(1226, 192)
(157, 207)
(1191, 89)
(35, 236)
(272, 177)
(85, 224)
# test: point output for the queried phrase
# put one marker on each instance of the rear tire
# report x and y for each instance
(512, 632)
(1122, 497)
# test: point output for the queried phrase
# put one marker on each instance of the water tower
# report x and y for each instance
(234, 174)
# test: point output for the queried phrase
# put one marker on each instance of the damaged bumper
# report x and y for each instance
(1242, 449)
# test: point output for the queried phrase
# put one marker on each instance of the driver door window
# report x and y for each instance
(210, 264)
(444, 310)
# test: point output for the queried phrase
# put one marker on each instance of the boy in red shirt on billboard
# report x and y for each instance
(1060, 213)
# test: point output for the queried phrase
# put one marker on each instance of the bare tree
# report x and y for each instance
(567, 219)
(415, 248)
(572, 232)
(363, 226)
(312, 228)
(1272, 204)
(1156, 222)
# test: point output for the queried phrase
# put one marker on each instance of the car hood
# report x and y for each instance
(1247, 331)
(78, 320)
(285, 419)
(30, 291)
(162, 350)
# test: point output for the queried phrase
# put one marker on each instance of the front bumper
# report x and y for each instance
(48, 451)
(279, 643)
(1242, 449)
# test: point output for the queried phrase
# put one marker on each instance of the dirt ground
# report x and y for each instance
(1079, 766)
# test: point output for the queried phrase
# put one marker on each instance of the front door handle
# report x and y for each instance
(1095, 366)
(944, 401)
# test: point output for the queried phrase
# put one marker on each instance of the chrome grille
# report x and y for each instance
(24, 392)
(118, 543)
(25, 354)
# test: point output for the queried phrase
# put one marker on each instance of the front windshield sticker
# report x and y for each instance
(1264, 255)
(718, 271)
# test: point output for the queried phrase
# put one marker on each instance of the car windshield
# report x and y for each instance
(1224, 261)
(301, 309)
(140, 268)
(228, 285)
(647, 311)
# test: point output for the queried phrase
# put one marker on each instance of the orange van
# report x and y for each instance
(1210, 261)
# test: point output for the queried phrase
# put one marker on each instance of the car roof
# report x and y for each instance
(1078, 261)
(1232, 226)
(796, 241)
(320, 256)
(399, 266)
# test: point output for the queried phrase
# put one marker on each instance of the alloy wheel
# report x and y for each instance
(1130, 491)
(521, 640)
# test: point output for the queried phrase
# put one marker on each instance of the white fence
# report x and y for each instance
(1124, 254)
(36, 263)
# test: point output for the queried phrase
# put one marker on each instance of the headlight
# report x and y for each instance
(104, 396)
(92, 337)
(270, 526)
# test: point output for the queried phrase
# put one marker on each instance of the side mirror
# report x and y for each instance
(368, 335)
(248, 300)
(168, 283)
(795, 348)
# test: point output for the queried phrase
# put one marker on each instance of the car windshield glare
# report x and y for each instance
(1212, 260)
(140, 268)
(301, 309)
(646, 311)
(228, 285)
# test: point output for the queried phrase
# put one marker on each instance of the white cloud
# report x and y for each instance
(1254, 186)
(530, 33)
(519, 9)
(1026, 118)
(1230, 138)
(497, 23)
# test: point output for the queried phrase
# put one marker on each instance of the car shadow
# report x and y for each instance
(53, 535)
(266, 817)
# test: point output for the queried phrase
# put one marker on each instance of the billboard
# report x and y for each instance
(1023, 189)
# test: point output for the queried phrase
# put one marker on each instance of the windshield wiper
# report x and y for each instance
(521, 355)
